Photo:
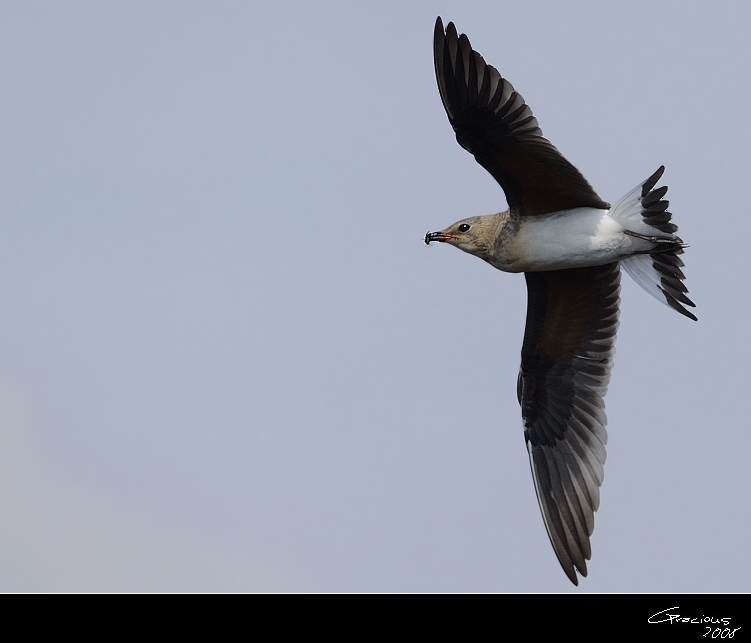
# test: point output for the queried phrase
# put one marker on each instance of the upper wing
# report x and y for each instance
(493, 122)
(567, 355)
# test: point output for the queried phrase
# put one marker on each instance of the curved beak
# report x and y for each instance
(437, 236)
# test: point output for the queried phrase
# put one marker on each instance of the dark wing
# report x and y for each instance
(569, 342)
(493, 122)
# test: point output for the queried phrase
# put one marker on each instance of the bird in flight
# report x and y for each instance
(570, 245)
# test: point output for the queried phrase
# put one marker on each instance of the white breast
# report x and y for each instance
(568, 239)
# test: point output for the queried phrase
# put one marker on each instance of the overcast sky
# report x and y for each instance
(228, 361)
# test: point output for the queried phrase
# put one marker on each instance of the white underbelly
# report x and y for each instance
(568, 239)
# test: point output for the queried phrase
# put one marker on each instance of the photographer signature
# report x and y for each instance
(670, 615)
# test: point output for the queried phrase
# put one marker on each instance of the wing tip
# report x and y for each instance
(438, 31)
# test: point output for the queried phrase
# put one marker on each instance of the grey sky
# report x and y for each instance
(227, 361)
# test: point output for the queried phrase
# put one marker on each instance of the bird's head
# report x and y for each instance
(476, 235)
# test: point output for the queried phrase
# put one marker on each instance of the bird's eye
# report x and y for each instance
(464, 227)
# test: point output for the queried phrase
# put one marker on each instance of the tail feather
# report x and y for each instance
(644, 214)
(654, 207)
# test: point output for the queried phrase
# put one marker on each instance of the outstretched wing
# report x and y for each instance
(567, 356)
(493, 122)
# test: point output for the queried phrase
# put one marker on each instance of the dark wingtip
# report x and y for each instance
(652, 181)
(676, 299)
(687, 313)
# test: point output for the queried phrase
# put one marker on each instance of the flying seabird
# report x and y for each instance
(569, 244)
